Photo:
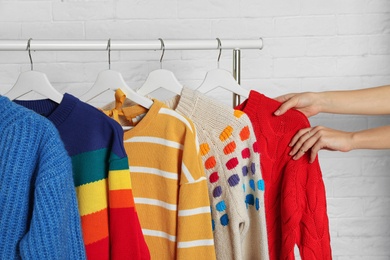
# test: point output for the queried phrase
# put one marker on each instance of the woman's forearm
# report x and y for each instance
(369, 101)
(374, 138)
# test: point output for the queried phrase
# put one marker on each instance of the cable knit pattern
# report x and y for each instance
(295, 197)
(39, 217)
(231, 160)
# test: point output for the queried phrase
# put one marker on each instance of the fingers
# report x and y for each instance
(317, 138)
(288, 102)
(306, 140)
(301, 143)
(314, 151)
(285, 97)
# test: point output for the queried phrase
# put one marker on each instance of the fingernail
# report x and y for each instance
(277, 112)
(290, 153)
(290, 144)
(295, 157)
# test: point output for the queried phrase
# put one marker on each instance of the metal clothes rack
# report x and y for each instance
(139, 45)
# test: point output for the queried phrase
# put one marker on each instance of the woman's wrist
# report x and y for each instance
(322, 101)
(331, 102)
(373, 138)
(355, 139)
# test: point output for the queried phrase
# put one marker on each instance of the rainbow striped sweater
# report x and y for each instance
(169, 184)
(110, 224)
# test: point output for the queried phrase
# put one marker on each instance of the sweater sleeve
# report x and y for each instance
(253, 188)
(54, 230)
(194, 230)
(127, 240)
(304, 212)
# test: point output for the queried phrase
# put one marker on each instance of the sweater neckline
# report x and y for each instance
(56, 113)
(201, 108)
(144, 123)
(260, 108)
(185, 104)
(253, 103)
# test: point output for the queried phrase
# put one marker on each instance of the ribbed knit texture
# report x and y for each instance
(39, 217)
(169, 184)
(295, 197)
(111, 229)
(230, 158)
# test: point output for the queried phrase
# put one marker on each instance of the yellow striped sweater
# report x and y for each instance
(169, 184)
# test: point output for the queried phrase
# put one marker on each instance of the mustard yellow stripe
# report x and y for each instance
(154, 191)
(197, 252)
(92, 197)
(157, 218)
(190, 202)
(119, 180)
(161, 157)
(194, 223)
(157, 245)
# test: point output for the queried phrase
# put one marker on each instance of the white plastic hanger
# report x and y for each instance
(112, 80)
(160, 78)
(221, 78)
(33, 81)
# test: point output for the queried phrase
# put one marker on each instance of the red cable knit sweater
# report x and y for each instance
(295, 201)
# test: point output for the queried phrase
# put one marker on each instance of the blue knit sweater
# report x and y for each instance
(39, 217)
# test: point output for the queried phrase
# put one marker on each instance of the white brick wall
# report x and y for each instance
(310, 45)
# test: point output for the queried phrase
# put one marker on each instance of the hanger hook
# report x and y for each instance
(109, 53)
(220, 50)
(29, 53)
(163, 51)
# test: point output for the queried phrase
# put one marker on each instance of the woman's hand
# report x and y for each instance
(309, 103)
(316, 138)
